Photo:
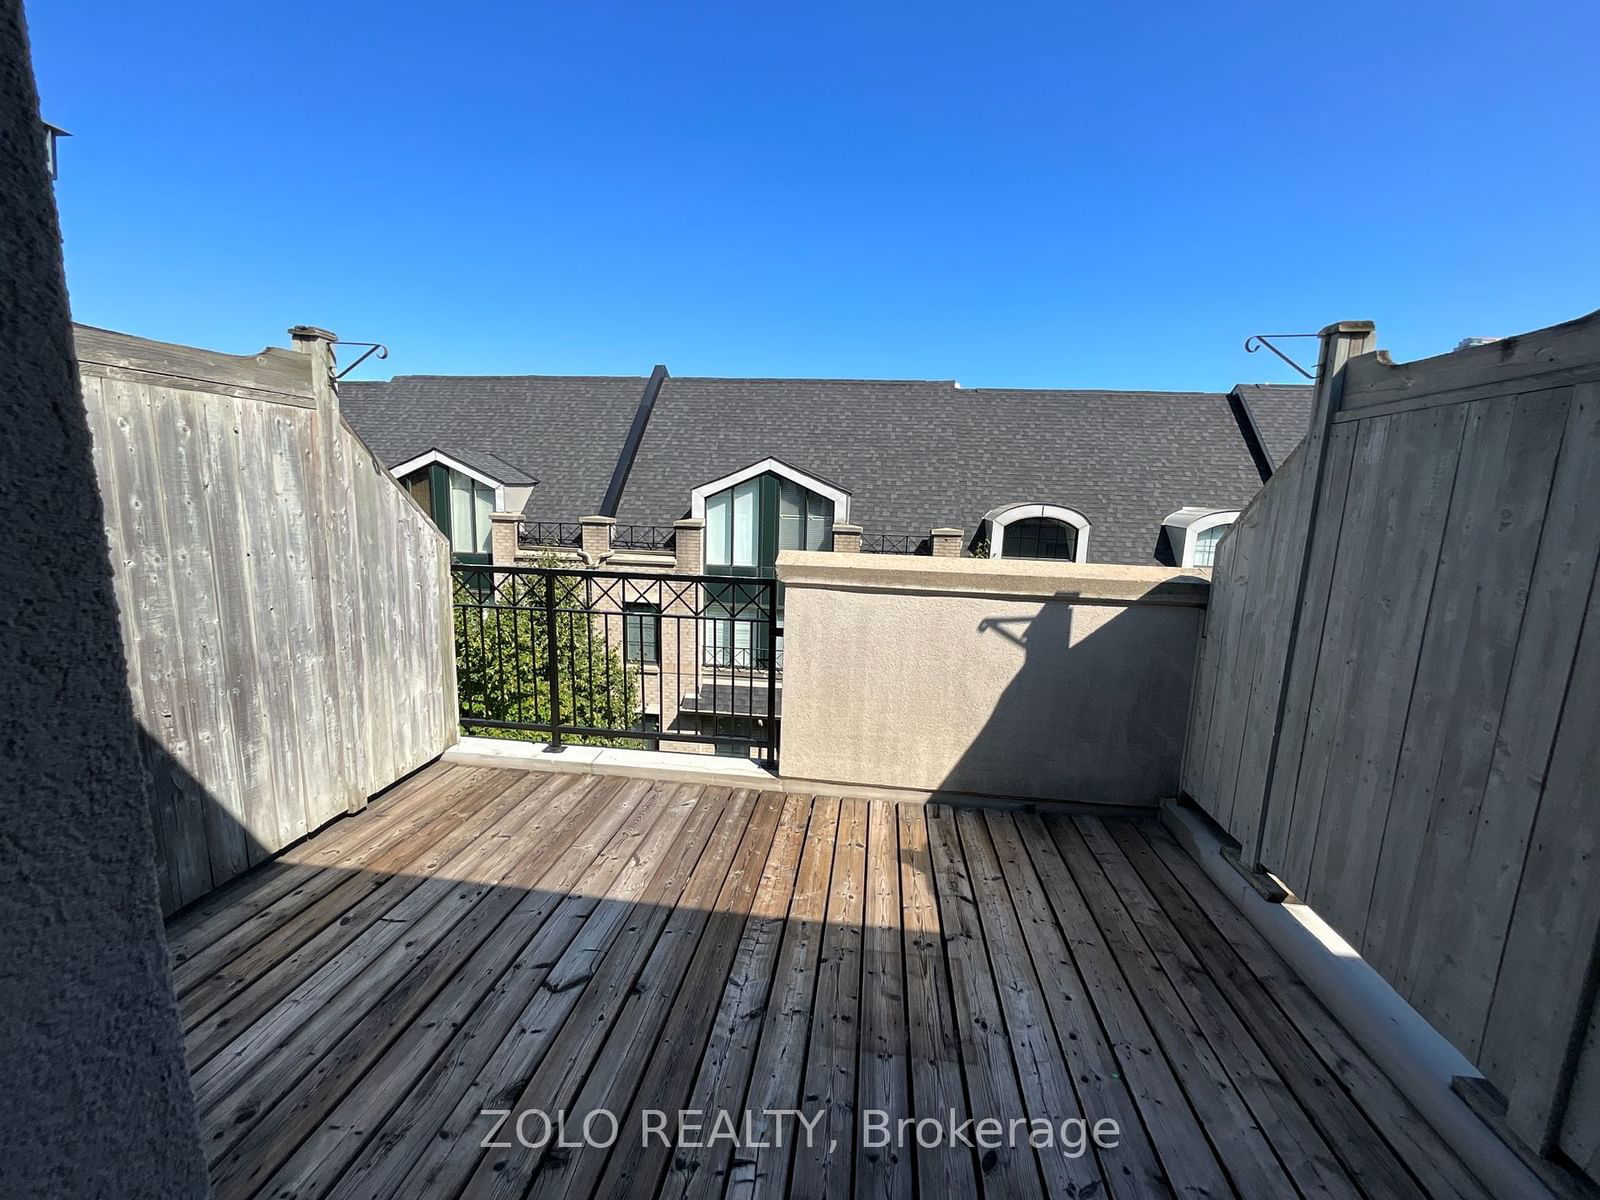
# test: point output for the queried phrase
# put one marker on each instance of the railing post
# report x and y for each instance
(689, 537)
(332, 561)
(1340, 342)
(503, 528)
(946, 542)
(595, 541)
(846, 538)
(552, 670)
(772, 671)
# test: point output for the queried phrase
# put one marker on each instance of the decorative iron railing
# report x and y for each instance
(642, 537)
(550, 533)
(896, 543)
(617, 658)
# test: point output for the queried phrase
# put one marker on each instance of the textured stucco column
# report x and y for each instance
(503, 528)
(846, 538)
(597, 536)
(97, 1099)
(947, 542)
(689, 544)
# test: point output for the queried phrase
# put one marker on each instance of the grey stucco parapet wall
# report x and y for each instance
(1079, 583)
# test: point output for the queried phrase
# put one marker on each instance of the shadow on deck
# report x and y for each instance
(745, 981)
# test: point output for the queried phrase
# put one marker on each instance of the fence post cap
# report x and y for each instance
(597, 520)
(689, 523)
(947, 531)
(311, 333)
(845, 527)
(1347, 327)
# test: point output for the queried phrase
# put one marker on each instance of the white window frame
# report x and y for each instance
(1182, 531)
(410, 466)
(840, 497)
(698, 496)
(1002, 517)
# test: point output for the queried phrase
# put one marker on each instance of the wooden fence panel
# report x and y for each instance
(284, 602)
(1412, 731)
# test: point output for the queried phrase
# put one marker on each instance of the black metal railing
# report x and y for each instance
(550, 533)
(896, 543)
(642, 537)
(617, 658)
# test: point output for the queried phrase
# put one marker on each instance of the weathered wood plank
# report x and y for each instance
(993, 1089)
(424, 1007)
(1545, 988)
(760, 1171)
(1191, 1165)
(823, 1161)
(1510, 365)
(1229, 1124)
(370, 1153)
(1415, 487)
(1133, 1168)
(269, 628)
(280, 1045)
(1323, 668)
(281, 373)
(677, 1042)
(725, 1067)
(1257, 971)
(1259, 1054)
(1414, 936)
(252, 982)
(933, 1041)
(570, 964)
(597, 967)
(1302, 659)
(226, 908)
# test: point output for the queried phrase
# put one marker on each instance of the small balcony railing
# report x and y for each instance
(642, 537)
(558, 534)
(618, 658)
(896, 543)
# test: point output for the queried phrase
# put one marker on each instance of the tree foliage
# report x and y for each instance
(502, 626)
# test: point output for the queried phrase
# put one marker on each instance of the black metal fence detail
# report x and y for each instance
(643, 537)
(896, 543)
(550, 533)
(618, 658)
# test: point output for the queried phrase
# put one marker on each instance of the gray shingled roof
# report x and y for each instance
(564, 431)
(1282, 412)
(490, 464)
(919, 454)
(914, 454)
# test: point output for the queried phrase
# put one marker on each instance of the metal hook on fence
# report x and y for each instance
(377, 348)
(1257, 340)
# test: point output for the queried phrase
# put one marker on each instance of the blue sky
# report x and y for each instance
(1051, 195)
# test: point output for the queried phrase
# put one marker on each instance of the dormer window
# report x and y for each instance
(1048, 531)
(1205, 546)
(767, 507)
(459, 491)
(1194, 532)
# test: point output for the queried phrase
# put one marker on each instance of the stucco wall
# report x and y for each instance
(1033, 680)
(97, 1100)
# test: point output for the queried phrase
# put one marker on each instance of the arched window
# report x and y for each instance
(1047, 531)
(1205, 546)
(1041, 537)
(1194, 532)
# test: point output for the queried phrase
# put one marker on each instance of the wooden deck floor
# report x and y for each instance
(492, 940)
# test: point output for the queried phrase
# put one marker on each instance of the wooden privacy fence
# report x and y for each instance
(1397, 709)
(285, 605)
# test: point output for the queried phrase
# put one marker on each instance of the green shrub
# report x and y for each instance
(502, 656)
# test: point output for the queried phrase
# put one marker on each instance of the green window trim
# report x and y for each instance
(641, 634)
(440, 491)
